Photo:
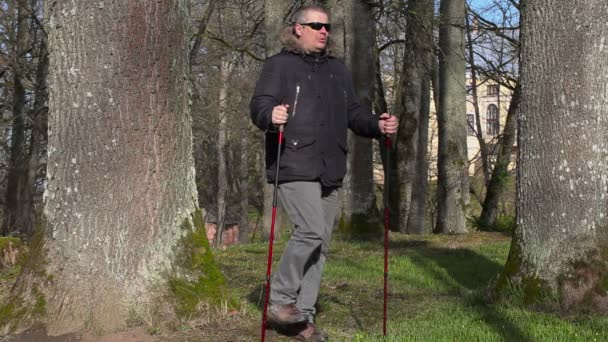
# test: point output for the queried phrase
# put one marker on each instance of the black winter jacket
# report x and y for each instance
(315, 145)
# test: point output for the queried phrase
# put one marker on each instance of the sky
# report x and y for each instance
(489, 10)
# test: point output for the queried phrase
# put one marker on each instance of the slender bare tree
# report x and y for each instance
(17, 217)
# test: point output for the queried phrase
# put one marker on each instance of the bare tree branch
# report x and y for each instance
(387, 44)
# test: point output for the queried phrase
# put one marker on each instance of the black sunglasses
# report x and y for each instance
(317, 26)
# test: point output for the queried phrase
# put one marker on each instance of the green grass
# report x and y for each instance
(437, 290)
(438, 287)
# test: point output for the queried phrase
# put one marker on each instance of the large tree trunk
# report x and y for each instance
(559, 246)
(452, 183)
(18, 194)
(359, 215)
(410, 150)
(120, 203)
(500, 173)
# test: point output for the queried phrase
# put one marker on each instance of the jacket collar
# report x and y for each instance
(310, 58)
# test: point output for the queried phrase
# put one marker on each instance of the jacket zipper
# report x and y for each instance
(295, 102)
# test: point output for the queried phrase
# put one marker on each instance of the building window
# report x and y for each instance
(492, 124)
(471, 124)
(493, 90)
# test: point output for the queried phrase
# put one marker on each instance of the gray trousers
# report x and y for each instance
(312, 209)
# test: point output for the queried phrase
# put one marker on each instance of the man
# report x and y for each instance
(311, 95)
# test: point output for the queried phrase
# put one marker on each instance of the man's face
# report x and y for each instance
(311, 40)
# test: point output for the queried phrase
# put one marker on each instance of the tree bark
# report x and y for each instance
(416, 220)
(559, 245)
(338, 15)
(121, 195)
(18, 194)
(410, 150)
(359, 215)
(276, 14)
(452, 183)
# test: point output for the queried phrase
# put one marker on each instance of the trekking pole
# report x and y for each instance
(271, 240)
(387, 142)
(274, 215)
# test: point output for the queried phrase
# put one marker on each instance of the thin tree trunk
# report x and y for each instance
(380, 104)
(500, 174)
(483, 149)
(559, 245)
(359, 215)
(275, 20)
(18, 195)
(38, 137)
(202, 27)
(222, 132)
(418, 204)
(339, 13)
(452, 184)
(415, 75)
(276, 13)
(416, 220)
(244, 186)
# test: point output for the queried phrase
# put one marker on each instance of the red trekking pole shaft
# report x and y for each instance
(271, 240)
(274, 216)
(387, 143)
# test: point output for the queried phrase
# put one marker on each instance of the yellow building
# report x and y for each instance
(493, 102)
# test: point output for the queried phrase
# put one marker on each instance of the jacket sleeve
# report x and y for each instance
(267, 95)
(360, 121)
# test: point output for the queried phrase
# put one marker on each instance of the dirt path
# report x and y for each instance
(134, 335)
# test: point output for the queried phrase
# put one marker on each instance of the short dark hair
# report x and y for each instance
(301, 13)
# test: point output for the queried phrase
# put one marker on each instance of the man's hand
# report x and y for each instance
(279, 114)
(388, 123)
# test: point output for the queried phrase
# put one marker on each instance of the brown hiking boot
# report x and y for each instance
(311, 333)
(283, 314)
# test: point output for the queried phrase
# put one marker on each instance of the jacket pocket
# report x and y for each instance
(299, 157)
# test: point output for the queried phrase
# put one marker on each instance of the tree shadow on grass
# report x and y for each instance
(466, 269)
